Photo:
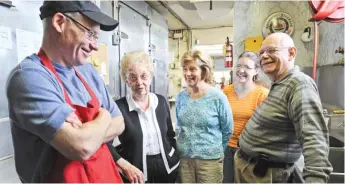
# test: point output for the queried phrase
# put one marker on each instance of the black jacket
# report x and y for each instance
(131, 139)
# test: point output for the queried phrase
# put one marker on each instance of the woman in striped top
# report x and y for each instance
(244, 96)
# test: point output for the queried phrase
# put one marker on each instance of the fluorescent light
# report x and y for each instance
(197, 1)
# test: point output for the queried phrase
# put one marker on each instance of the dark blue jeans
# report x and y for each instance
(228, 165)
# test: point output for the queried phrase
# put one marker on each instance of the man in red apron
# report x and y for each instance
(61, 112)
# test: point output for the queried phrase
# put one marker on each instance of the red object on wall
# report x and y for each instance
(330, 11)
(228, 57)
(228, 54)
(327, 10)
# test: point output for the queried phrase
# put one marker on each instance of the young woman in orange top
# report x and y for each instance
(244, 96)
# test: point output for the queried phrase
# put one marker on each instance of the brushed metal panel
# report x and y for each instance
(135, 26)
(6, 145)
(331, 85)
(24, 16)
(159, 41)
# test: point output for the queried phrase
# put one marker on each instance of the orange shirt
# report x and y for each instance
(243, 109)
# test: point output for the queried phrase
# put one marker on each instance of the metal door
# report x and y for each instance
(159, 54)
(135, 26)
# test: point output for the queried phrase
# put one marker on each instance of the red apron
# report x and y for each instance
(100, 167)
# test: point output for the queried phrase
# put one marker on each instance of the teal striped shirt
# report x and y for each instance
(288, 123)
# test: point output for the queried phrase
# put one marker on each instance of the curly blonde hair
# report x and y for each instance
(203, 60)
(133, 58)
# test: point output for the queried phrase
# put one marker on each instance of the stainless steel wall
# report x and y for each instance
(113, 51)
(331, 85)
(136, 27)
(24, 16)
(148, 32)
(159, 50)
(330, 82)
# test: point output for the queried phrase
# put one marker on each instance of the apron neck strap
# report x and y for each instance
(46, 62)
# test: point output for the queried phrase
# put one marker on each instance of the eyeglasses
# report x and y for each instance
(90, 35)
(244, 67)
(134, 78)
(271, 51)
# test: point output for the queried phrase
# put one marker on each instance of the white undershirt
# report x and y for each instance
(149, 129)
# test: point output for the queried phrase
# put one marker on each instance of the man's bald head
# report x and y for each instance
(280, 40)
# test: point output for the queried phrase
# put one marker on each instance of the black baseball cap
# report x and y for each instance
(87, 8)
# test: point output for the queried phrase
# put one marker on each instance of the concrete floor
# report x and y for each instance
(8, 172)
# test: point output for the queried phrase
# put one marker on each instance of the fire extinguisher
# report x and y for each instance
(228, 54)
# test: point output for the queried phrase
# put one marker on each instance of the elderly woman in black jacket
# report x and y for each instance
(147, 145)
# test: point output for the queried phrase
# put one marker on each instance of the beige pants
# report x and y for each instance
(244, 173)
(201, 171)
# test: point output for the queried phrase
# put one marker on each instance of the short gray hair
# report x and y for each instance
(47, 22)
(132, 58)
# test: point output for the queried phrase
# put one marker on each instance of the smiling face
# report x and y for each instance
(272, 61)
(81, 43)
(245, 70)
(197, 68)
(277, 55)
(78, 37)
(192, 73)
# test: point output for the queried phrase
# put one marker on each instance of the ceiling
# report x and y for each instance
(196, 14)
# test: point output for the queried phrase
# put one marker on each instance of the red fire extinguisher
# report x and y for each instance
(228, 54)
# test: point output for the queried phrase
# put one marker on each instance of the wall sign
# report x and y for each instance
(278, 22)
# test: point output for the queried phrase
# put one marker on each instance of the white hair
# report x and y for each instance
(133, 58)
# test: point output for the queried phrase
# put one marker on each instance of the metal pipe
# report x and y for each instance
(114, 5)
(6, 157)
(178, 51)
(119, 48)
(174, 14)
(153, 86)
(150, 41)
(191, 39)
(316, 48)
(203, 28)
(188, 40)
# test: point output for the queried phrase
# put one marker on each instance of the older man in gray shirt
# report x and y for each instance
(287, 124)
